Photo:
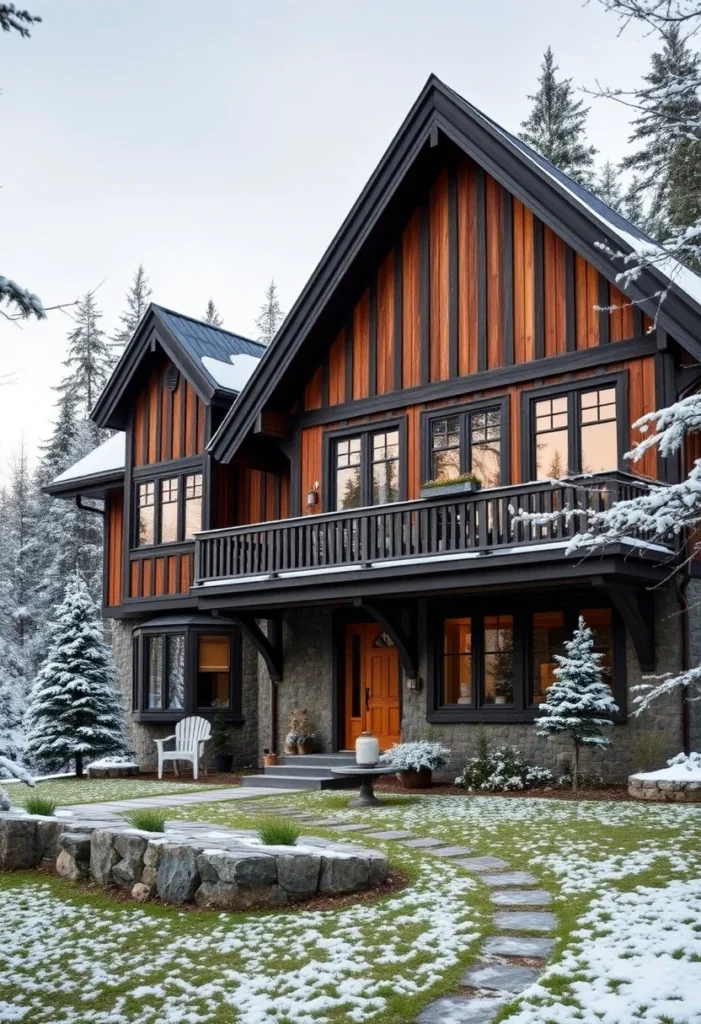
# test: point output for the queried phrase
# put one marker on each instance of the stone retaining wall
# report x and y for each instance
(186, 865)
(667, 790)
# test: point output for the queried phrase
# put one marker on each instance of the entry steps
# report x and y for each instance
(305, 771)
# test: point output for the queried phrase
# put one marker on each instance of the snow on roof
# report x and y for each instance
(233, 375)
(106, 458)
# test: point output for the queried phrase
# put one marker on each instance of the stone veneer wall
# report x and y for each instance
(141, 735)
(694, 601)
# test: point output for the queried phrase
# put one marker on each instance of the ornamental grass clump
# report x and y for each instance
(148, 819)
(36, 804)
(278, 832)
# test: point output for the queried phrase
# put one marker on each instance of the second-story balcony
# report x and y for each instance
(430, 534)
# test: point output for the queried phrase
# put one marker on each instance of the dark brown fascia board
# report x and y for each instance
(152, 329)
(438, 106)
(93, 486)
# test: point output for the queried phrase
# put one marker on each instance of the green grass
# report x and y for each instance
(38, 804)
(148, 819)
(276, 831)
(90, 791)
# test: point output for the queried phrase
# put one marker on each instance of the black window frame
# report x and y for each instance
(571, 390)
(463, 412)
(365, 431)
(156, 475)
(521, 710)
(140, 641)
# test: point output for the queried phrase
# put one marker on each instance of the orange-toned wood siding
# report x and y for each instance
(467, 246)
(167, 424)
(114, 540)
(160, 575)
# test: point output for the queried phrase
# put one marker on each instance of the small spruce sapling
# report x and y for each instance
(579, 699)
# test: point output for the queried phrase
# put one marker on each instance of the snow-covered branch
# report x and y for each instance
(21, 302)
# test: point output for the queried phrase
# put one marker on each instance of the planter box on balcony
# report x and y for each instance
(454, 487)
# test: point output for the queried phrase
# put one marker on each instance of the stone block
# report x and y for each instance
(131, 849)
(343, 874)
(298, 874)
(77, 846)
(238, 866)
(378, 867)
(178, 878)
(149, 877)
(229, 896)
(68, 867)
(103, 856)
(48, 834)
(19, 844)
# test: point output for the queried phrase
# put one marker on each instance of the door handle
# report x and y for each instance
(367, 698)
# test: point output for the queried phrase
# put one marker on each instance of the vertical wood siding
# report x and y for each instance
(167, 424)
(114, 538)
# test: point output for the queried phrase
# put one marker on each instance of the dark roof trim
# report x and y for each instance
(93, 486)
(560, 208)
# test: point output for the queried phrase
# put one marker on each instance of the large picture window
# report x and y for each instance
(576, 429)
(169, 509)
(467, 439)
(366, 467)
(165, 671)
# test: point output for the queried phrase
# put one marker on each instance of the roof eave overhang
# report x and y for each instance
(94, 486)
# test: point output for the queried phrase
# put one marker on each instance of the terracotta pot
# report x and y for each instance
(290, 748)
(420, 779)
(306, 748)
(270, 760)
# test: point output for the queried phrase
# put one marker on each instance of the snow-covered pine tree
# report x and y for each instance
(13, 690)
(633, 206)
(271, 316)
(556, 126)
(89, 361)
(608, 186)
(669, 163)
(212, 316)
(137, 296)
(579, 698)
(75, 711)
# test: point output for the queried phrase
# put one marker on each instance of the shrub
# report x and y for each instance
(648, 748)
(221, 737)
(501, 770)
(278, 832)
(417, 756)
(148, 819)
(37, 804)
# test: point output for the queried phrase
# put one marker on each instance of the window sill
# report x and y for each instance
(171, 548)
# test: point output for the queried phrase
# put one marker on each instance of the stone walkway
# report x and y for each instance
(500, 972)
(114, 808)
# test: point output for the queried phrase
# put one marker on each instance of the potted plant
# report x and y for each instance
(221, 745)
(269, 759)
(300, 732)
(415, 762)
(466, 483)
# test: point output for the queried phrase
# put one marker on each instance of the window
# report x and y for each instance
(457, 661)
(146, 514)
(213, 671)
(193, 505)
(177, 515)
(366, 468)
(498, 659)
(165, 671)
(577, 430)
(467, 440)
(175, 677)
(169, 510)
(548, 632)
(600, 621)
(154, 686)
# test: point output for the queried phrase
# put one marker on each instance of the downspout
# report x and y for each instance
(686, 709)
(88, 508)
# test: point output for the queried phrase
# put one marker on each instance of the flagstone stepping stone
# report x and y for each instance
(525, 921)
(461, 1010)
(483, 864)
(422, 844)
(509, 878)
(501, 977)
(451, 851)
(352, 828)
(521, 898)
(387, 835)
(321, 822)
(518, 945)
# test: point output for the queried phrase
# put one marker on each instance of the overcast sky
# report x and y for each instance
(222, 143)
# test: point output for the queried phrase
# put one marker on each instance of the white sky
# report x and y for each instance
(222, 143)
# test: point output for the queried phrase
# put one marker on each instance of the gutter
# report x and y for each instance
(88, 508)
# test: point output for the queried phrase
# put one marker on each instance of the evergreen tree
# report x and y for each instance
(138, 297)
(608, 186)
(56, 452)
(579, 697)
(271, 316)
(667, 158)
(88, 362)
(75, 710)
(633, 209)
(212, 316)
(556, 124)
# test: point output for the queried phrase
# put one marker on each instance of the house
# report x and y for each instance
(270, 540)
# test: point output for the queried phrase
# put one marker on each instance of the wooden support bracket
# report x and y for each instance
(269, 647)
(635, 605)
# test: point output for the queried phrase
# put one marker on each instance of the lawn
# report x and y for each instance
(91, 791)
(625, 878)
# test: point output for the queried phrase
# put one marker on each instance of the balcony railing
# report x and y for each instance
(477, 522)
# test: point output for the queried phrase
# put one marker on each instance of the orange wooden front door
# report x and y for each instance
(371, 685)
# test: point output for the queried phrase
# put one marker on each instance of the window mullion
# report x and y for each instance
(465, 444)
(574, 439)
(478, 660)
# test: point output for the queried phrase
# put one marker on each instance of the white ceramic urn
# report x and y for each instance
(367, 750)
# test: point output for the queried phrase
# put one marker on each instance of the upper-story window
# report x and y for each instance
(366, 468)
(169, 510)
(468, 439)
(575, 431)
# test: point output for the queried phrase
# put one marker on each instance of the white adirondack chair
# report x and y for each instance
(190, 736)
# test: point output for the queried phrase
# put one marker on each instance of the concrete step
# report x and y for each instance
(317, 760)
(291, 781)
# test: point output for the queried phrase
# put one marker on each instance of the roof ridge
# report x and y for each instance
(213, 327)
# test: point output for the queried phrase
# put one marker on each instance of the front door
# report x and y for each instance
(371, 685)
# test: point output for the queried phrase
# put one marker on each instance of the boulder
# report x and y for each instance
(76, 845)
(141, 892)
(103, 856)
(19, 844)
(229, 896)
(178, 878)
(129, 869)
(378, 867)
(298, 873)
(238, 866)
(149, 877)
(343, 874)
(48, 834)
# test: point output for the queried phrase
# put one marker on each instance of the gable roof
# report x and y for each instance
(582, 220)
(102, 466)
(218, 363)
